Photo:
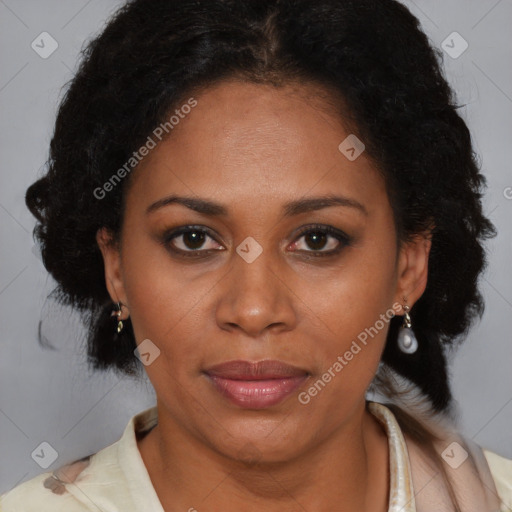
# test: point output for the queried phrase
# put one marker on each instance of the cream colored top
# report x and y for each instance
(115, 478)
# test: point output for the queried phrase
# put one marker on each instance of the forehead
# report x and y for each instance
(245, 142)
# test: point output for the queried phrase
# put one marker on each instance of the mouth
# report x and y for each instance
(256, 385)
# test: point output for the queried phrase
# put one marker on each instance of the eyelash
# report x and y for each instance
(344, 239)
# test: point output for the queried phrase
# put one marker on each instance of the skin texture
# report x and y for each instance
(254, 148)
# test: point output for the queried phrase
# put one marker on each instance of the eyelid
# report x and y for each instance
(170, 234)
(323, 227)
(342, 237)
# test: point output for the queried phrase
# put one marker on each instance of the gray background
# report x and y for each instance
(49, 395)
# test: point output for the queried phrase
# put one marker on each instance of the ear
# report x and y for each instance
(413, 268)
(112, 262)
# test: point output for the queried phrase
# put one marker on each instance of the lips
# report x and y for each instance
(256, 385)
(260, 370)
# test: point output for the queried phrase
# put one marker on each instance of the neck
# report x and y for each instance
(348, 469)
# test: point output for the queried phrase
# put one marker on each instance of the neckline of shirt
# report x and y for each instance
(401, 493)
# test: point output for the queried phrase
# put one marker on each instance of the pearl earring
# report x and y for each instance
(407, 341)
(118, 314)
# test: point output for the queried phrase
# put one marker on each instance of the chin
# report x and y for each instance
(251, 442)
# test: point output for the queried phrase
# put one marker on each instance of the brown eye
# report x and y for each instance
(319, 238)
(190, 239)
(316, 240)
(193, 239)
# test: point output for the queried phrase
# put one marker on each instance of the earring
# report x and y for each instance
(407, 341)
(118, 313)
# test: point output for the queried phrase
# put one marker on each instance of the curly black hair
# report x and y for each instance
(153, 54)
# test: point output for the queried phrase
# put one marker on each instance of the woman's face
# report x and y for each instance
(245, 283)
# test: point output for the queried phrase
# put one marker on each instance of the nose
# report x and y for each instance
(255, 297)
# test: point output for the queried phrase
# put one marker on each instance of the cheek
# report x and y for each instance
(161, 298)
(163, 311)
(355, 307)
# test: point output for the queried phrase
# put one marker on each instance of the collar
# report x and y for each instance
(401, 495)
(401, 492)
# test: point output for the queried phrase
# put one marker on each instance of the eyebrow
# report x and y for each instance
(289, 209)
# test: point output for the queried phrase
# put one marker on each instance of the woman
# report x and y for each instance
(265, 205)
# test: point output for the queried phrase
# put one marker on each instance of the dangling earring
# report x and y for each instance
(407, 341)
(118, 313)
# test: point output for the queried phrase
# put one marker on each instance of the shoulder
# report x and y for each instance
(108, 477)
(75, 487)
(48, 491)
(501, 471)
(480, 477)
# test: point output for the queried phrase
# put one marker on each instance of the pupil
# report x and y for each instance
(196, 239)
(316, 238)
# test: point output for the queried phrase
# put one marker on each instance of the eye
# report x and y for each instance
(320, 237)
(190, 239)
